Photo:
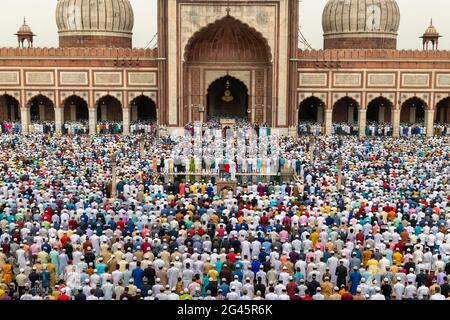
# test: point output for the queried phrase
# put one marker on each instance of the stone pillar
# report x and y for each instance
(395, 120)
(328, 121)
(134, 113)
(73, 113)
(362, 120)
(126, 120)
(412, 115)
(42, 112)
(25, 119)
(59, 119)
(429, 122)
(92, 121)
(320, 114)
(13, 112)
(292, 131)
(381, 114)
(103, 110)
(351, 110)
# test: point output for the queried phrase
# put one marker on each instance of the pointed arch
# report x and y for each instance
(109, 108)
(413, 110)
(308, 109)
(41, 108)
(379, 110)
(9, 108)
(75, 108)
(227, 39)
(341, 109)
(443, 111)
(143, 109)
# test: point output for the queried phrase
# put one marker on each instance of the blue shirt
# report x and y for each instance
(355, 278)
(138, 275)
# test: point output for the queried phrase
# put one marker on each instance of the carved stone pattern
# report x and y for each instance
(260, 92)
(311, 79)
(195, 89)
(9, 77)
(416, 79)
(71, 78)
(381, 79)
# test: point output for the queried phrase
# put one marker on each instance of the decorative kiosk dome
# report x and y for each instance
(360, 24)
(95, 23)
(25, 34)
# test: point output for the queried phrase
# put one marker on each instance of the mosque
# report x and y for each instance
(226, 58)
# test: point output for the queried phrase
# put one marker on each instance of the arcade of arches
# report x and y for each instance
(379, 110)
(74, 108)
(227, 73)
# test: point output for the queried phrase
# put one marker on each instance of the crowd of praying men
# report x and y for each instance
(372, 228)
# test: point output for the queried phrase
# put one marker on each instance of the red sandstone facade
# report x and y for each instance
(345, 84)
(364, 42)
(94, 42)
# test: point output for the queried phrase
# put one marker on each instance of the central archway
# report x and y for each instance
(227, 50)
(227, 98)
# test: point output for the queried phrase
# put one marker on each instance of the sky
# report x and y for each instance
(40, 14)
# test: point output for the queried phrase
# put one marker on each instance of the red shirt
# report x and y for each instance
(73, 224)
(347, 296)
(264, 221)
(291, 287)
(145, 247)
(64, 297)
(120, 225)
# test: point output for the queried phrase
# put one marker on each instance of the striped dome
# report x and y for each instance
(95, 18)
(361, 19)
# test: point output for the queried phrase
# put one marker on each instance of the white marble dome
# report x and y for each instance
(361, 19)
(95, 18)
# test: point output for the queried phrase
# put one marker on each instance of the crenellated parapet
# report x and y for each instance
(364, 54)
(101, 53)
